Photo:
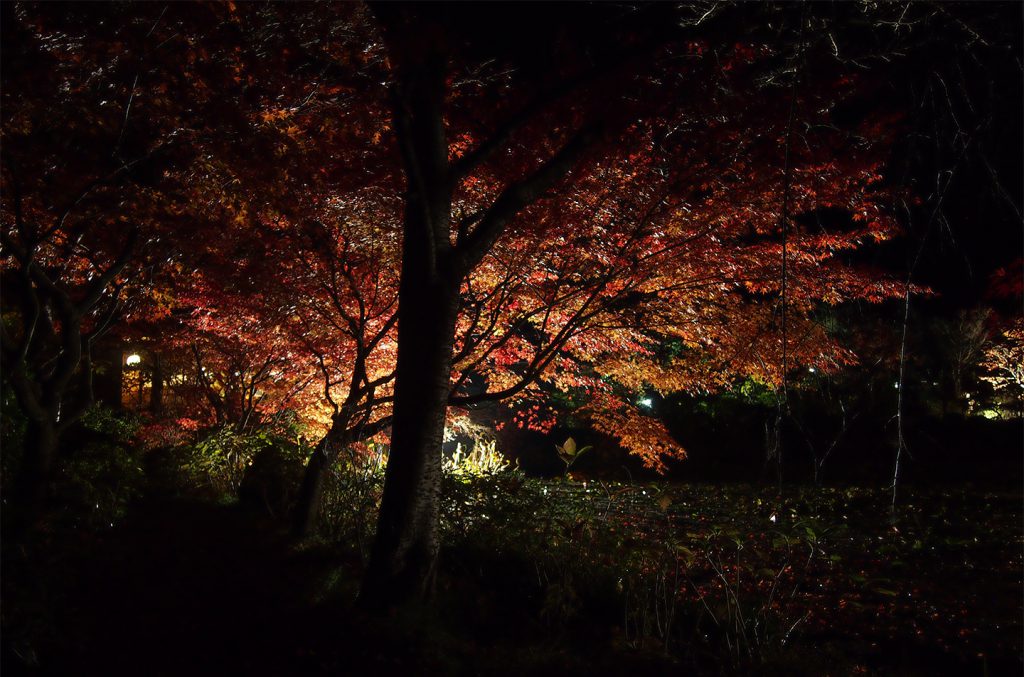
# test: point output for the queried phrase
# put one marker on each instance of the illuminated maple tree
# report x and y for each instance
(670, 224)
(334, 217)
(1004, 360)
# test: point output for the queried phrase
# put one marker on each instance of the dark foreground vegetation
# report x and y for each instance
(155, 565)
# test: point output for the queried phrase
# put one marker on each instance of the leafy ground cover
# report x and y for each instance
(538, 577)
(763, 577)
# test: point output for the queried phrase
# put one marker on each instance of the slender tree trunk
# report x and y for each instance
(108, 376)
(156, 390)
(307, 505)
(404, 554)
(33, 477)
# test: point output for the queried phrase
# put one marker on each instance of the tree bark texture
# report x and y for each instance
(404, 555)
(307, 505)
(108, 376)
(32, 480)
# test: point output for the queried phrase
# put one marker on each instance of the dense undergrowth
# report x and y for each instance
(546, 576)
(749, 577)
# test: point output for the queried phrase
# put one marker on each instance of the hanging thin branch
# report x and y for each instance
(782, 397)
(941, 191)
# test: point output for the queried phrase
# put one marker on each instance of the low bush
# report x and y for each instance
(100, 472)
(351, 498)
(270, 482)
(224, 458)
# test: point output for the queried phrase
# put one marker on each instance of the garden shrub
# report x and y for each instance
(271, 480)
(98, 470)
(351, 497)
(218, 460)
(98, 477)
(12, 438)
(355, 482)
(223, 457)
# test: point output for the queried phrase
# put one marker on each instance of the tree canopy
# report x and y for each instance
(656, 202)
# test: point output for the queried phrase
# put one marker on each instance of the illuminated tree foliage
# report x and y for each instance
(1003, 354)
(380, 219)
(602, 270)
(1004, 359)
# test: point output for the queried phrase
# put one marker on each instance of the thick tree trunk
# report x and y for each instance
(403, 558)
(404, 555)
(33, 477)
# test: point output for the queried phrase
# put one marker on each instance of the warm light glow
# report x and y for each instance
(133, 359)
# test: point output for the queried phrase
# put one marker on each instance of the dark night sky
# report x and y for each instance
(957, 96)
